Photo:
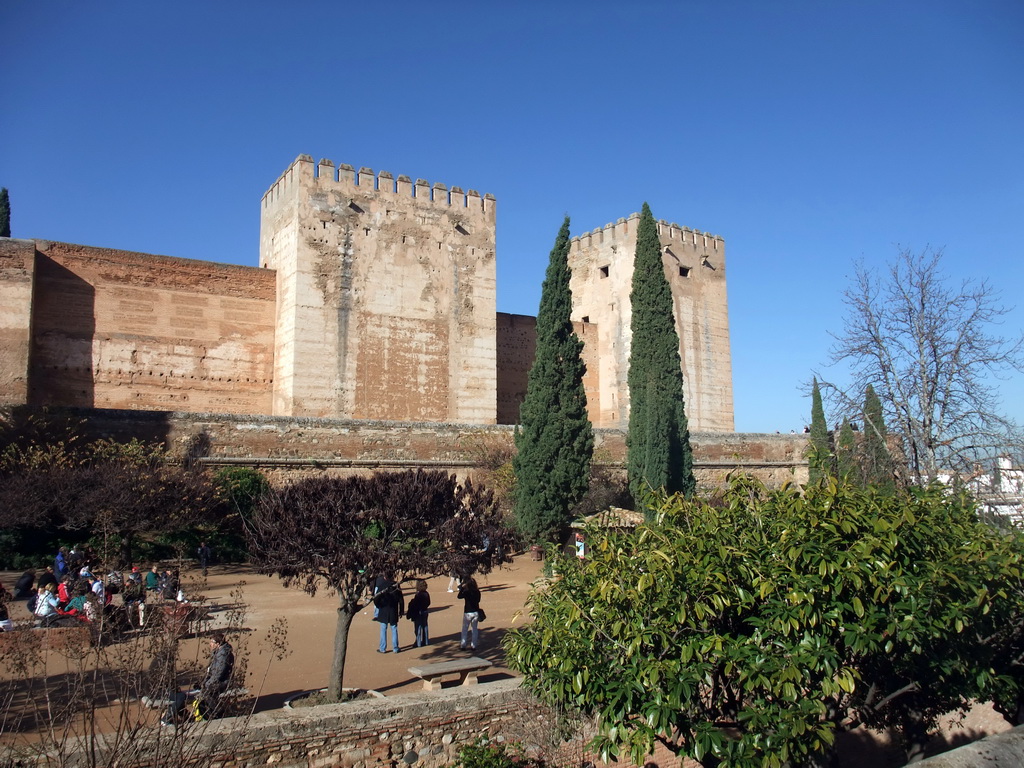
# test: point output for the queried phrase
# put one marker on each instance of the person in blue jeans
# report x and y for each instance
(419, 608)
(390, 605)
(469, 593)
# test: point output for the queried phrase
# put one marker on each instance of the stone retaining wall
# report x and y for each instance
(419, 730)
(287, 447)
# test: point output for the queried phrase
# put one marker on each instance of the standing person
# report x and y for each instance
(64, 590)
(133, 597)
(218, 676)
(75, 560)
(418, 608)
(390, 606)
(60, 563)
(469, 593)
(203, 553)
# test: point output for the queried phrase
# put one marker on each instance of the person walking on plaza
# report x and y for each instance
(390, 606)
(203, 555)
(418, 609)
(469, 593)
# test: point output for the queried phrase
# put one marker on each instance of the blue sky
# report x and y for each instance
(807, 134)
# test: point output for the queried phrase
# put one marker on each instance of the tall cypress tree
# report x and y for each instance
(5, 213)
(846, 453)
(876, 463)
(555, 441)
(819, 452)
(659, 454)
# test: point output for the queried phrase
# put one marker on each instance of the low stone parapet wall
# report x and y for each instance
(286, 447)
(416, 730)
(419, 730)
(1004, 750)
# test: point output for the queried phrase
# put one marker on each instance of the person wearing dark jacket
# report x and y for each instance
(390, 606)
(418, 608)
(215, 683)
(24, 587)
(48, 577)
(469, 593)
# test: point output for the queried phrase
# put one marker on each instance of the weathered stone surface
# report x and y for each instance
(286, 448)
(1004, 750)
(602, 272)
(375, 300)
(386, 300)
(114, 329)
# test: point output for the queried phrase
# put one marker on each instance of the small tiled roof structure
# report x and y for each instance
(613, 517)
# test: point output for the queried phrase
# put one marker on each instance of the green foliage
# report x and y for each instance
(819, 452)
(483, 754)
(555, 440)
(5, 213)
(876, 462)
(659, 454)
(846, 454)
(752, 628)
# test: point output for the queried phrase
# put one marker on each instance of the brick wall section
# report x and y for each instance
(516, 340)
(516, 346)
(17, 265)
(129, 330)
(291, 447)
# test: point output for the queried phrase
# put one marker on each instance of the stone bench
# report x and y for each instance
(466, 669)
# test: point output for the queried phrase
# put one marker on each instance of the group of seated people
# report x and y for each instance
(83, 595)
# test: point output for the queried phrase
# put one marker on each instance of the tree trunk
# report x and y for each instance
(334, 684)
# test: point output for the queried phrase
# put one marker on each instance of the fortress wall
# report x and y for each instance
(516, 342)
(17, 271)
(129, 330)
(286, 448)
(387, 295)
(516, 345)
(602, 270)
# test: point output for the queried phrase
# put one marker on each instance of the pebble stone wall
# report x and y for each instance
(420, 730)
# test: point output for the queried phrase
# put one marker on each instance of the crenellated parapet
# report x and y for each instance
(625, 229)
(344, 177)
(601, 275)
(386, 294)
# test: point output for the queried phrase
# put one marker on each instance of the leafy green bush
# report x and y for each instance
(483, 754)
(751, 629)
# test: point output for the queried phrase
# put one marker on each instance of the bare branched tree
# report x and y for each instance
(932, 351)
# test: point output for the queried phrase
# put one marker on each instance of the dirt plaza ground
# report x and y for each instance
(311, 630)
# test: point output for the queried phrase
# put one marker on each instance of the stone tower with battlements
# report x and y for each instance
(385, 296)
(601, 263)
